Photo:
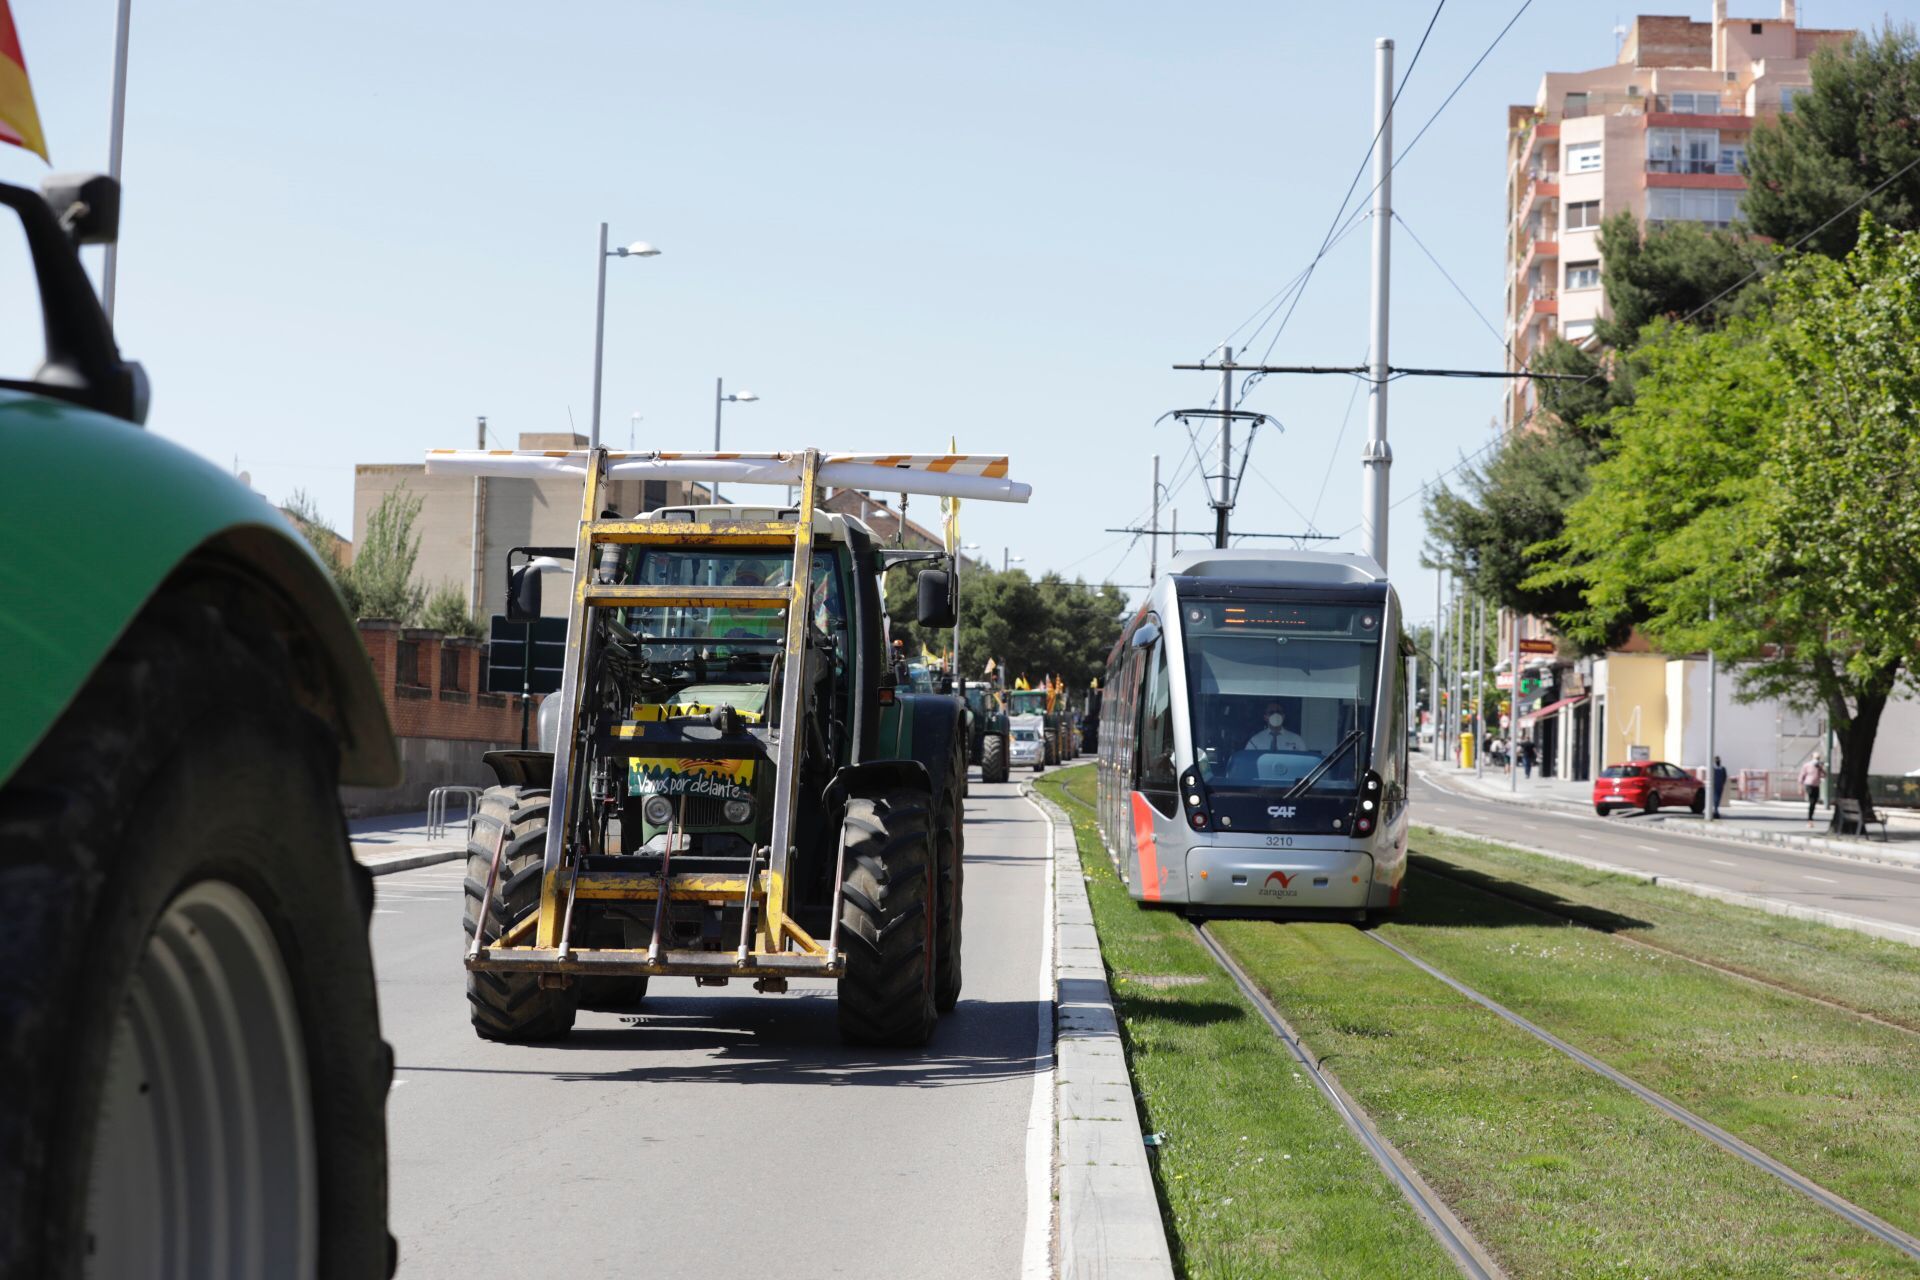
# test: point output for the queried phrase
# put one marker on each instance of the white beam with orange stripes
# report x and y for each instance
(977, 476)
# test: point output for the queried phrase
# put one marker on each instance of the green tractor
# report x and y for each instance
(989, 734)
(733, 785)
(188, 1028)
(1058, 725)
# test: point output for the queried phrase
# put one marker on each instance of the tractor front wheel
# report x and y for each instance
(993, 758)
(510, 1006)
(888, 920)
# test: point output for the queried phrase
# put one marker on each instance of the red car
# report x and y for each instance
(1647, 786)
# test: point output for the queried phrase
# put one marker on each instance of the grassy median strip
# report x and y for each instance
(1869, 974)
(1256, 1174)
(1832, 1095)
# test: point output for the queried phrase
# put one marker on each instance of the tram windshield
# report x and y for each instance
(1278, 689)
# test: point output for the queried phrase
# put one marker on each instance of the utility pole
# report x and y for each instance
(1226, 449)
(117, 131)
(1433, 657)
(1513, 713)
(1713, 709)
(476, 593)
(599, 336)
(1459, 675)
(1377, 461)
(1479, 686)
(1153, 539)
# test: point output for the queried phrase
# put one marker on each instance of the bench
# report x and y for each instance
(1853, 818)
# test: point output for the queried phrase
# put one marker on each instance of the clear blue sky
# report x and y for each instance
(351, 228)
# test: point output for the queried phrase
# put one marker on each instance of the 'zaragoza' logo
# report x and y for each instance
(715, 779)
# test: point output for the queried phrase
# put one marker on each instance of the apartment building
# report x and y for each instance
(1661, 133)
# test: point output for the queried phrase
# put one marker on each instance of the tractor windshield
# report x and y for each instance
(1027, 702)
(729, 644)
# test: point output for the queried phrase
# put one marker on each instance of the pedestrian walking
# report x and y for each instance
(1719, 784)
(1526, 758)
(1812, 773)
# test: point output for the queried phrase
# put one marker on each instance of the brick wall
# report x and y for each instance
(432, 685)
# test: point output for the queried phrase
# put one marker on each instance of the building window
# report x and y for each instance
(1583, 275)
(1695, 104)
(1577, 330)
(1683, 150)
(1583, 157)
(1583, 213)
(450, 670)
(1574, 106)
(1788, 92)
(1712, 208)
(1733, 157)
(406, 664)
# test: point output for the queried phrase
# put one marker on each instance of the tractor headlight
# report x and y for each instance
(658, 811)
(737, 811)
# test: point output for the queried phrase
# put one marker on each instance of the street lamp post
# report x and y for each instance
(1008, 559)
(638, 249)
(719, 398)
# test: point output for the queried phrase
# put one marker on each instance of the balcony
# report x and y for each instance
(1538, 251)
(1542, 131)
(1541, 302)
(1538, 190)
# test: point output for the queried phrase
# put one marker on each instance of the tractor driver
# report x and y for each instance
(1276, 736)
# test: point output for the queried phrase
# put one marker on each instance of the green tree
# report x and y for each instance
(1679, 270)
(1033, 628)
(1831, 154)
(379, 583)
(1761, 496)
(446, 610)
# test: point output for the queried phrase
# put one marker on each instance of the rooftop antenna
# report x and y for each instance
(1619, 37)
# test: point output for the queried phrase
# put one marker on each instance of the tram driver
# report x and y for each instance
(1276, 736)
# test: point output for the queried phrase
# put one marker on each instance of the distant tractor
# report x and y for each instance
(990, 739)
(1056, 735)
(733, 785)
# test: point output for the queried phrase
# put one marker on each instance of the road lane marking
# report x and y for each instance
(1036, 1249)
(1578, 836)
(1650, 849)
(1821, 879)
(1718, 862)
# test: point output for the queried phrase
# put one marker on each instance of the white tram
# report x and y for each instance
(1253, 744)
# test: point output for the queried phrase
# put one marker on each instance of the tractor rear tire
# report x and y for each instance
(511, 1006)
(993, 758)
(185, 975)
(888, 920)
(949, 842)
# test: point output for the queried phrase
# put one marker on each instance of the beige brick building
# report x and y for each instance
(468, 524)
(1661, 133)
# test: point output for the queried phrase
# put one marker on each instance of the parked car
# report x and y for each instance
(1647, 786)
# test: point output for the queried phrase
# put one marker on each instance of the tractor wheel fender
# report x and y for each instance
(935, 726)
(875, 776)
(74, 582)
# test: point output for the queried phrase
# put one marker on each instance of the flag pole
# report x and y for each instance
(115, 140)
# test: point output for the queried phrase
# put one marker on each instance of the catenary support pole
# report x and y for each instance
(1226, 448)
(1377, 461)
(1713, 743)
(110, 273)
(1433, 656)
(599, 336)
(1513, 712)
(1479, 686)
(1153, 538)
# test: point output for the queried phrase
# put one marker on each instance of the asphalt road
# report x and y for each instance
(715, 1131)
(1664, 845)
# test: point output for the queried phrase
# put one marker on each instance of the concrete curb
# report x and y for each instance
(1109, 1215)
(1772, 906)
(408, 861)
(1881, 856)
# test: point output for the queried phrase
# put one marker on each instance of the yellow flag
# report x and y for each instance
(951, 506)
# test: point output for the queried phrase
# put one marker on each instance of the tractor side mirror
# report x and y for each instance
(1145, 634)
(523, 594)
(87, 205)
(936, 598)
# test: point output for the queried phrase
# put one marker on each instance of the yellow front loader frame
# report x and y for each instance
(772, 945)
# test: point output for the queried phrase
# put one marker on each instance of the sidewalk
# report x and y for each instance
(1780, 823)
(398, 842)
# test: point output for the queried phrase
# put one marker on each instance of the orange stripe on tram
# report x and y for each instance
(1144, 846)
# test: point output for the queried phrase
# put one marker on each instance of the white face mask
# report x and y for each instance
(1276, 720)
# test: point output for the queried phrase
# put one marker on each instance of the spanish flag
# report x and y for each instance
(19, 121)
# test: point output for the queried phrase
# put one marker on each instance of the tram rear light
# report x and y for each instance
(1198, 817)
(1362, 826)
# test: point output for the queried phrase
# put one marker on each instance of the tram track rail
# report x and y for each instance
(1468, 1253)
(1429, 865)
(1827, 1199)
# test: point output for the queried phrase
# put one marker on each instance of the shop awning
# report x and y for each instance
(1551, 709)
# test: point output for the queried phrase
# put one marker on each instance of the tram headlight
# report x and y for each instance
(658, 811)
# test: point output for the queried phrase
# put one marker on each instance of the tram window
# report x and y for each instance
(1155, 755)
